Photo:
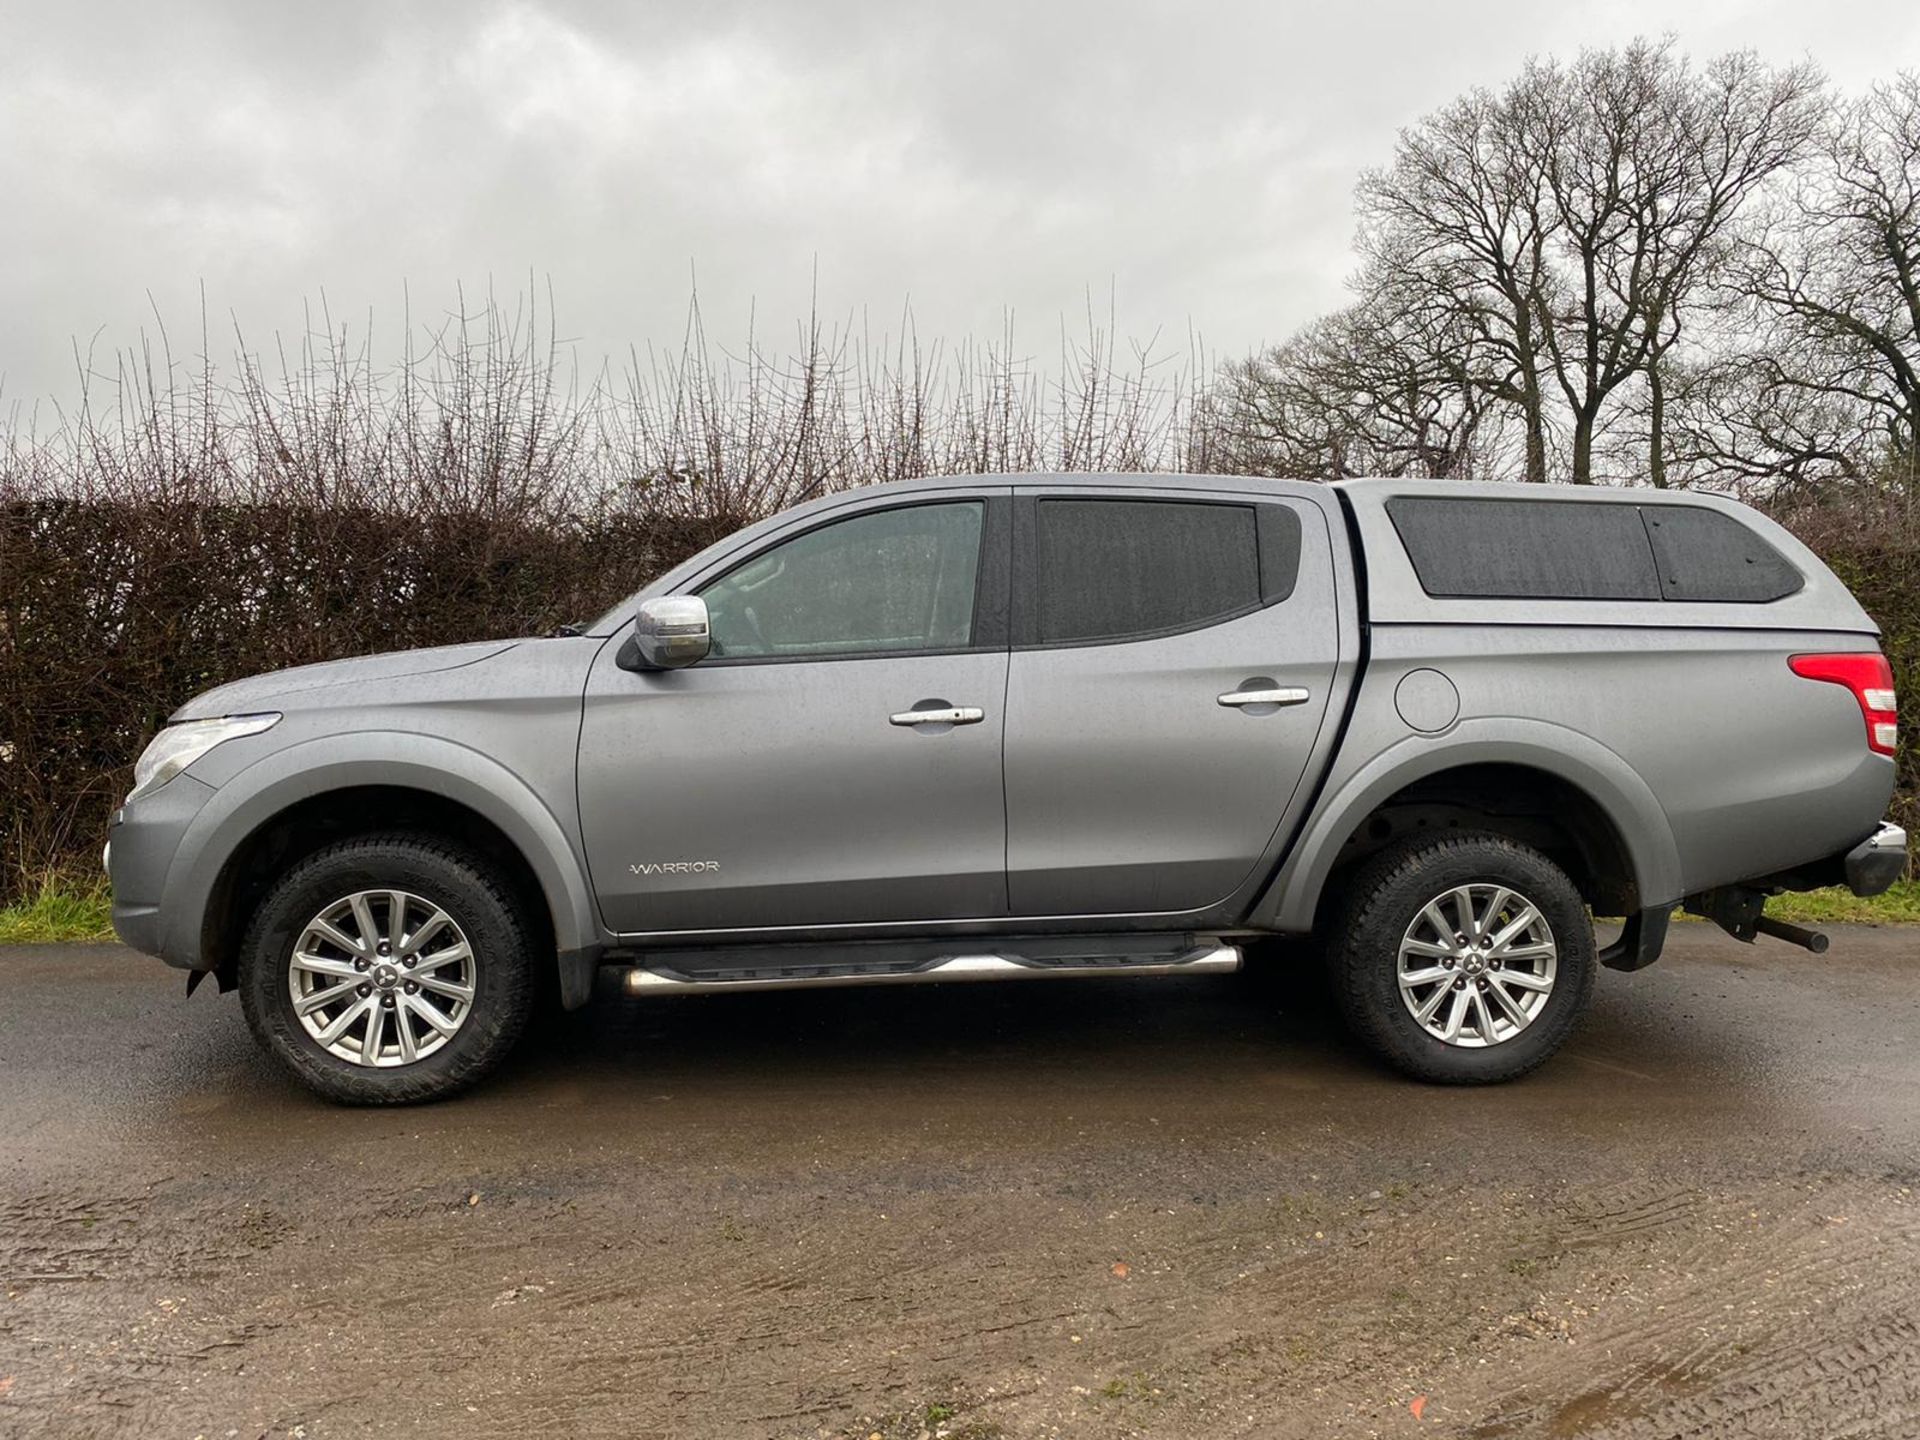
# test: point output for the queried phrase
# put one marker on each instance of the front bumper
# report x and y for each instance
(142, 845)
(1876, 862)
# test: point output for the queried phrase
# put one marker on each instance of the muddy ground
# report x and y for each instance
(1082, 1208)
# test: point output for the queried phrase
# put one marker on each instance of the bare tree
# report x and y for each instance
(1833, 276)
(1461, 217)
(1384, 387)
(1647, 165)
(1571, 219)
(1731, 420)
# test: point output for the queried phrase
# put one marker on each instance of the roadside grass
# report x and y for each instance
(1835, 906)
(56, 910)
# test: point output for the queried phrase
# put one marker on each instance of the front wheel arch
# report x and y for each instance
(207, 885)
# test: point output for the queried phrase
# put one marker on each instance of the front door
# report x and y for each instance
(836, 759)
(1172, 663)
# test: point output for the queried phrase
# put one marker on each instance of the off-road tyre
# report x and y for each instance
(483, 904)
(1382, 898)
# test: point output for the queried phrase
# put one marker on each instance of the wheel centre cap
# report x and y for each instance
(385, 976)
(1474, 964)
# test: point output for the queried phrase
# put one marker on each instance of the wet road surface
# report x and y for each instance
(1099, 1208)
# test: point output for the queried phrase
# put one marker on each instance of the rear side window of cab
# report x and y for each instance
(1476, 548)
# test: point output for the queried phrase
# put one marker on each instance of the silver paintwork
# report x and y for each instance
(1713, 761)
(1477, 965)
(382, 978)
(1105, 787)
(1206, 959)
(793, 776)
(1129, 789)
(672, 631)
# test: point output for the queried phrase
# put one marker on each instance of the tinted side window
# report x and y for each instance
(1114, 569)
(1526, 549)
(887, 580)
(1706, 555)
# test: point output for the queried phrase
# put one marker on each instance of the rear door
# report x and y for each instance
(836, 759)
(1173, 660)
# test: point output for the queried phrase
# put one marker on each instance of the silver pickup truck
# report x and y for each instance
(1001, 727)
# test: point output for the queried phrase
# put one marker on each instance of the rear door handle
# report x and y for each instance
(1289, 695)
(953, 715)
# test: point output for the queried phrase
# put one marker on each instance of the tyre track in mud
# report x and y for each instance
(1132, 1211)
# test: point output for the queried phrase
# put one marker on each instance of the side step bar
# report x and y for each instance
(1211, 958)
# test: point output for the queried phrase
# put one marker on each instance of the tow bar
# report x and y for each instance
(1793, 934)
(1741, 912)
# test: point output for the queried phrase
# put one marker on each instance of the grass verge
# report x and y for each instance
(1834, 906)
(57, 911)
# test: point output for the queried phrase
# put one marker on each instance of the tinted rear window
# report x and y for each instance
(1582, 550)
(1526, 549)
(1114, 569)
(1706, 555)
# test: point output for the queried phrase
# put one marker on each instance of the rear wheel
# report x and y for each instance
(388, 969)
(1464, 959)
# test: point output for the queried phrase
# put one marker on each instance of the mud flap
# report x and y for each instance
(228, 980)
(577, 969)
(1640, 942)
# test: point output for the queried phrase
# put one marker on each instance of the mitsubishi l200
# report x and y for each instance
(1026, 727)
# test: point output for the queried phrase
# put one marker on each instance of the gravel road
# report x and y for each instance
(1086, 1208)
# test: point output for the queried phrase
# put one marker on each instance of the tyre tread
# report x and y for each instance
(1367, 918)
(483, 1041)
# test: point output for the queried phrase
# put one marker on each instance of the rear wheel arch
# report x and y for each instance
(1561, 792)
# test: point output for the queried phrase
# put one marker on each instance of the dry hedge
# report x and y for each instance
(190, 533)
(114, 612)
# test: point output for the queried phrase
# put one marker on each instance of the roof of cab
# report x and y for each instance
(1394, 592)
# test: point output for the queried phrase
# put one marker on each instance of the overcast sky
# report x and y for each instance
(1194, 161)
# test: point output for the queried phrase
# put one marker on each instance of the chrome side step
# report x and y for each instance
(1210, 958)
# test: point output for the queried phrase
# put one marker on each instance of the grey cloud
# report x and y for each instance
(977, 158)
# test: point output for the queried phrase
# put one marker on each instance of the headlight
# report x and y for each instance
(178, 746)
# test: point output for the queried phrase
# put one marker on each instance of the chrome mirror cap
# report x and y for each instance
(670, 632)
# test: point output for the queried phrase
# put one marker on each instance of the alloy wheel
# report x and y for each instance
(382, 978)
(1476, 966)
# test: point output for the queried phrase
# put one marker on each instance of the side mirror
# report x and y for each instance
(670, 632)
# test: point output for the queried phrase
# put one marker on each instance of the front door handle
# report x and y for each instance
(952, 715)
(1287, 695)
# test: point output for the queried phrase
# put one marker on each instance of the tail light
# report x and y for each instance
(1868, 675)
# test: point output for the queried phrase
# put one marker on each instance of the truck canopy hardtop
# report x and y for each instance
(1488, 553)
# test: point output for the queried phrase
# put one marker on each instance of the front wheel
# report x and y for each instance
(1463, 959)
(388, 969)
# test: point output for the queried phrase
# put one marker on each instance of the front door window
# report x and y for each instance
(886, 581)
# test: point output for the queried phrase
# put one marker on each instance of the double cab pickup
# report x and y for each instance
(1033, 727)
